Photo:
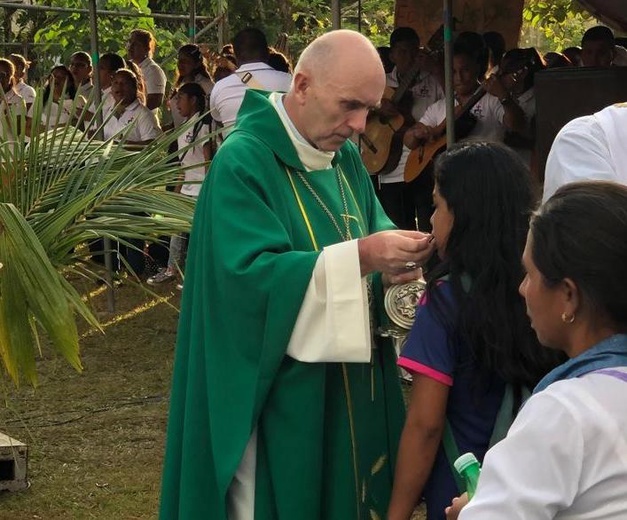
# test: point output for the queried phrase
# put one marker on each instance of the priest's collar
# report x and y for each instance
(312, 158)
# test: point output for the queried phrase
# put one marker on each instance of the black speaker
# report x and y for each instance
(564, 94)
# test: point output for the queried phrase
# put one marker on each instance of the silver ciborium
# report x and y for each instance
(400, 305)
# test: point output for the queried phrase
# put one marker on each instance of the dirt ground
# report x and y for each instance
(96, 438)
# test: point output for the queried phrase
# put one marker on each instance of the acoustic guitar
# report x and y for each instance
(382, 140)
(420, 157)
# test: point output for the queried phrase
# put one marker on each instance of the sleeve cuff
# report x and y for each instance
(419, 368)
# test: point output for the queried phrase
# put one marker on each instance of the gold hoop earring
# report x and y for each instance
(568, 319)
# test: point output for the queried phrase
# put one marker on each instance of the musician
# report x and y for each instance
(495, 112)
(518, 70)
(410, 62)
(598, 47)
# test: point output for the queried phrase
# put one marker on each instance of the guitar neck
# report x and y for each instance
(473, 100)
(404, 85)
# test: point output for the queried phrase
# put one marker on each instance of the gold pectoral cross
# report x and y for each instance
(347, 218)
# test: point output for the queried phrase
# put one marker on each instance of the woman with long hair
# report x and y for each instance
(565, 456)
(60, 101)
(191, 67)
(471, 336)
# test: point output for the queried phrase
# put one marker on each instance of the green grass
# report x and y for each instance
(96, 439)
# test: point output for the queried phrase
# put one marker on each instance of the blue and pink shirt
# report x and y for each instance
(473, 401)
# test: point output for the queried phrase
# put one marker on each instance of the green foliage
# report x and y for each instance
(58, 35)
(58, 191)
(556, 24)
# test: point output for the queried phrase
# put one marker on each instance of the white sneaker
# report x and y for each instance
(163, 275)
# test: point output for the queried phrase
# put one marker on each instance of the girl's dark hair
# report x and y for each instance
(487, 188)
(196, 91)
(112, 61)
(139, 78)
(9, 65)
(279, 61)
(581, 233)
(135, 81)
(555, 60)
(193, 51)
(516, 60)
(70, 85)
(471, 45)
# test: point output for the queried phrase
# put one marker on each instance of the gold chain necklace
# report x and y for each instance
(345, 216)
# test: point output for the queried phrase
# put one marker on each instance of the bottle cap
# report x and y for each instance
(465, 461)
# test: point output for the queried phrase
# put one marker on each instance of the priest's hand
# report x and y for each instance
(395, 253)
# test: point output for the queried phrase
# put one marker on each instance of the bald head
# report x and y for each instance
(331, 54)
(337, 80)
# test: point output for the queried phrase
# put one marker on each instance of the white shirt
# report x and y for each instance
(589, 148)
(146, 127)
(11, 104)
(85, 89)
(488, 111)
(564, 458)
(27, 92)
(59, 115)
(154, 77)
(193, 157)
(228, 93)
(425, 92)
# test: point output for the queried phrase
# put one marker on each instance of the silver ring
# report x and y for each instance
(410, 266)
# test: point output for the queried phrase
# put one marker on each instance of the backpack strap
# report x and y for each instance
(511, 403)
(513, 398)
(452, 454)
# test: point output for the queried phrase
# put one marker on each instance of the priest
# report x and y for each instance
(284, 402)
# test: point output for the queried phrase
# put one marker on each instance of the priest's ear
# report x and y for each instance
(301, 86)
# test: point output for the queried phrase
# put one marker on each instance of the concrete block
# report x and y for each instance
(13, 464)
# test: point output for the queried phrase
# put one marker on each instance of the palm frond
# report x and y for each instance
(61, 188)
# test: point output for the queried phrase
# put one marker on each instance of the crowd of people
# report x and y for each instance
(138, 105)
(494, 98)
(285, 402)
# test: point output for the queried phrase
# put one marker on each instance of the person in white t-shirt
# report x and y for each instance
(565, 455)
(589, 148)
(191, 105)
(82, 70)
(494, 112)
(59, 103)
(21, 68)
(12, 106)
(405, 203)
(108, 65)
(129, 111)
(517, 71)
(251, 51)
(141, 46)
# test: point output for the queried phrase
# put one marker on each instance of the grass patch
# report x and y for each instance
(96, 439)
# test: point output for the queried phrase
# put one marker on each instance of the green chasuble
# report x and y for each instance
(327, 433)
